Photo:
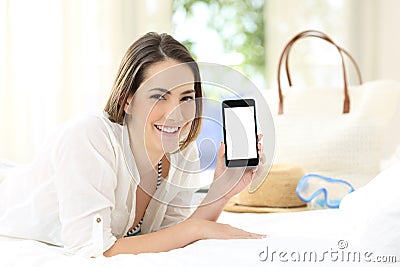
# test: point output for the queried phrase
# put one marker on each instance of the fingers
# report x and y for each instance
(262, 158)
(236, 233)
(260, 137)
(249, 235)
(215, 230)
(260, 148)
(221, 150)
(259, 144)
(221, 155)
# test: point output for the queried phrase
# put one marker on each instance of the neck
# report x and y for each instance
(145, 158)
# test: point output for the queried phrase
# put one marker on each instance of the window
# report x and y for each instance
(214, 32)
(249, 37)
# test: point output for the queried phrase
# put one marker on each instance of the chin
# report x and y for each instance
(170, 148)
(171, 144)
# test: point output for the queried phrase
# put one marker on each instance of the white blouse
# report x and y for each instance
(88, 170)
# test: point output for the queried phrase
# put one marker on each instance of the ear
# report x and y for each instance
(127, 103)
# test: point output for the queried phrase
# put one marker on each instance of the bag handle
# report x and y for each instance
(321, 35)
(318, 34)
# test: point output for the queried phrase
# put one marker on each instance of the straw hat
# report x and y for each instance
(275, 192)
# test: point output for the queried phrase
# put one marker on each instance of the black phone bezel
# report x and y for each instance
(232, 103)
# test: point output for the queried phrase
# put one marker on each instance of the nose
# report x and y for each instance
(174, 113)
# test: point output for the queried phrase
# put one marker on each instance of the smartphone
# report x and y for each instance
(240, 133)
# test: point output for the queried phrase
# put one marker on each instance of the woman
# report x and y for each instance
(130, 169)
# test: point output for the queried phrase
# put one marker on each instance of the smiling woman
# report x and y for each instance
(155, 69)
(166, 116)
(134, 167)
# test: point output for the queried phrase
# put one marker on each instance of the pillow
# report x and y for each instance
(371, 215)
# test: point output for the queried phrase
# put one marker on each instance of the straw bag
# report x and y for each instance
(337, 132)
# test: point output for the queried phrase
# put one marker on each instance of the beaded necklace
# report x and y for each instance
(136, 230)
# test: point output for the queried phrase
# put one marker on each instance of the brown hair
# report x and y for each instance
(147, 50)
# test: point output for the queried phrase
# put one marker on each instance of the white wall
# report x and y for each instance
(153, 15)
(58, 60)
(374, 37)
(388, 61)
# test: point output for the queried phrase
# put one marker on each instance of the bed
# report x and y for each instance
(299, 238)
(364, 231)
(282, 229)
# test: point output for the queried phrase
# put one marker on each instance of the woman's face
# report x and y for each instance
(163, 107)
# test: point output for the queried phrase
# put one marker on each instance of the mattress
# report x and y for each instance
(294, 238)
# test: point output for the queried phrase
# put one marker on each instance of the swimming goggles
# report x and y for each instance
(321, 191)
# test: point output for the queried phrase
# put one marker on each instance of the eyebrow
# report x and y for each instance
(165, 91)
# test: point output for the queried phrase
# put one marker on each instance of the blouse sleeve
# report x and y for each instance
(85, 179)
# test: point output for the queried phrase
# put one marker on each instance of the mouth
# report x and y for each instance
(167, 129)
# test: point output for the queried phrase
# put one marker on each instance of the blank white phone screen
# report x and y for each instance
(240, 135)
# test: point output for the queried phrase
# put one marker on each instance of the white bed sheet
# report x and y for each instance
(301, 232)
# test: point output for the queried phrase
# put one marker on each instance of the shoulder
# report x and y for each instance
(93, 130)
(88, 123)
(91, 125)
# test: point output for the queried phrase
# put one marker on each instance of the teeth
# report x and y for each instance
(167, 129)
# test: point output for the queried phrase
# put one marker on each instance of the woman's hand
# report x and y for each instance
(177, 236)
(230, 181)
(213, 230)
(227, 183)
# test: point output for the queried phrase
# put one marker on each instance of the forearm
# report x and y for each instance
(176, 236)
(211, 207)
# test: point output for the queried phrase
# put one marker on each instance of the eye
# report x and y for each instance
(158, 97)
(187, 98)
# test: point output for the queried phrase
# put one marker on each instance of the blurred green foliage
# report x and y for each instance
(240, 25)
